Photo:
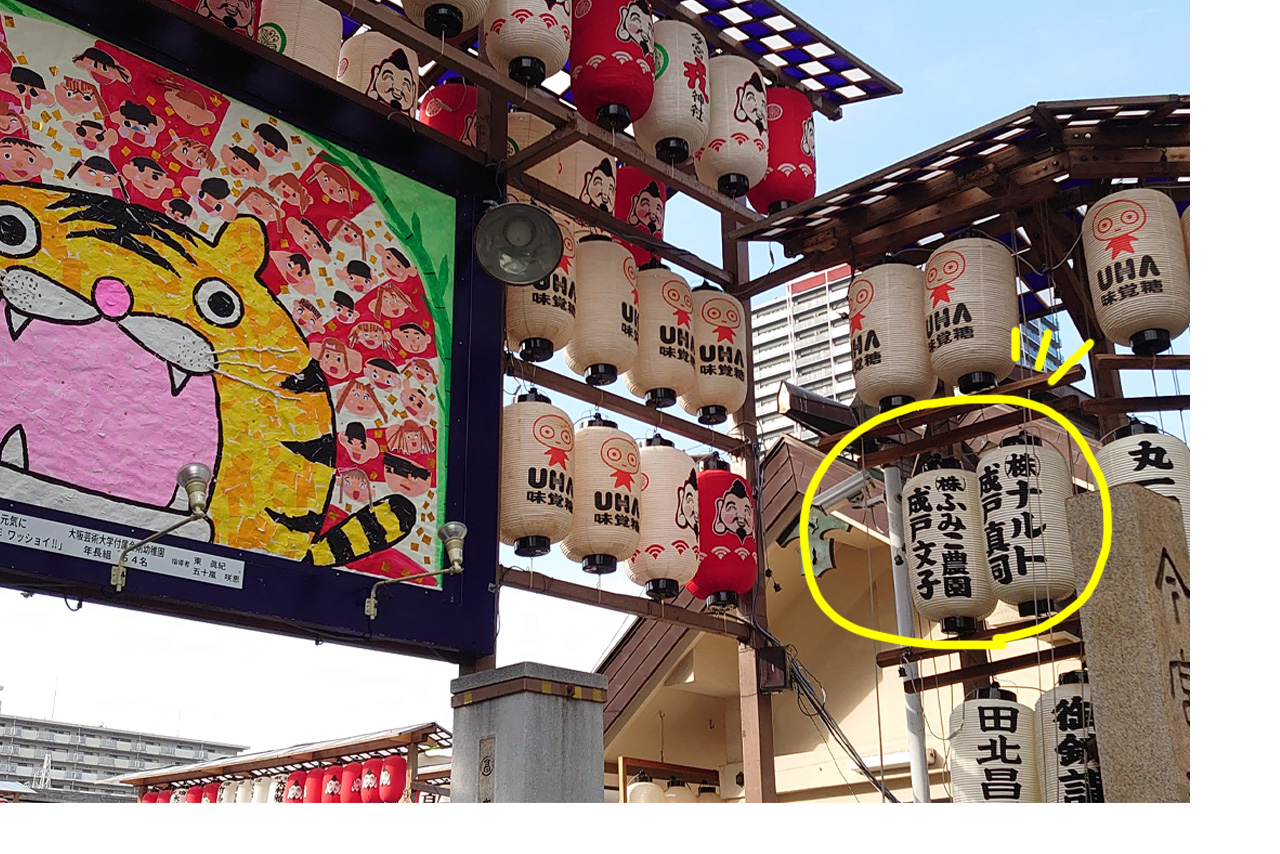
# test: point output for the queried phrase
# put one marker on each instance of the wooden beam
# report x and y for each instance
(992, 668)
(1172, 162)
(899, 655)
(551, 144)
(808, 264)
(1118, 405)
(1125, 362)
(536, 582)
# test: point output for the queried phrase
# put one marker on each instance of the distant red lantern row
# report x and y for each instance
(376, 781)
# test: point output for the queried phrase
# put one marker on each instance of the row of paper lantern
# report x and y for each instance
(643, 790)
(1003, 752)
(374, 781)
(952, 321)
(607, 500)
(1000, 533)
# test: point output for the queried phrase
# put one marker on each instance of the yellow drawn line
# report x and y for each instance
(1077, 356)
(1046, 341)
(1015, 344)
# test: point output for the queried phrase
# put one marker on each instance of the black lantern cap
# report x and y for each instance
(720, 602)
(532, 396)
(598, 375)
(715, 462)
(672, 150)
(1023, 438)
(536, 349)
(657, 441)
(613, 117)
(1135, 428)
(994, 692)
(662, 588)
(976, 381)
(660, 398)
(528, 70)
(1149, 342)
(937, 461)
(533, 546)
(734, 185)
(442, 19)
(599, 564)
(599, 420)
(1074, 677)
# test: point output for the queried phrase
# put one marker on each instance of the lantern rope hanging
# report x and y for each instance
(666, 558)
(611, 61)
(678, 121)
(606, 513)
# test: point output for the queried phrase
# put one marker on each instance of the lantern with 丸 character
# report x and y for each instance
(1136, 256)
(371, 780)
(446, 19)
(890, 351)
(542, 316)
(667, 556)
(971, 303)
(382, 69)
(606, 514)
(718, 327)
(1024, 486)
(993, 752)
(641, 202)
(305, 30)
(1139, 453)
(535, 507)
(736, 154)
(606, 331)
(527, 39)
(664, 366)
(392, 778)
(792, 176)
(945, 554)
(451, 109)
(352, 782)
(726, 537)
(611, 61)
(679, 119)
(1067, 742)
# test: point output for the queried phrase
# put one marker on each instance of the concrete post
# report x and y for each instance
(1137, 640)
(528, 734)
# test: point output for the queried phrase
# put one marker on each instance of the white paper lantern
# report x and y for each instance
(540, 318)
(1024, 486)
(262, 790)
(305, 30)
(606, 514)
(708, 795)
(993, 750)
(535, 506)
(1066, 742)
(381, 68)
(971, 304)
(590, 176)
(665, 363)
(1186, 234)
(946, 555)
(450, 18)
(606, 331)
(1141, 454)
(679, 793)
(278, 783)
(180, 795)
(523, 130)
(679, 119)
(667, 556)
(244, 792)
(1139, 277)
(719, 324)
(227, 792)
(526, 40)
(645, 791)
(736, 155)
(890, 350)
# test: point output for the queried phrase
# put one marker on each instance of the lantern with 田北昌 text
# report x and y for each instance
(726, 537)
(971, 303)
(664, 366)
(606, 330)
(735, 156)
(679, 119)
(611, 61)
(719, 324)
(535, 506)
(606, 510)
(792, 176)
(526, 39)
(666, 558)
(993, 750)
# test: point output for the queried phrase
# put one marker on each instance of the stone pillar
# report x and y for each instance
(528, 734)
(1137, 640)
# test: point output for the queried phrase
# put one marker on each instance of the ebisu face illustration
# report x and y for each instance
(393, 82)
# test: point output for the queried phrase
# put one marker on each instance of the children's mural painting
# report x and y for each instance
(185, 278)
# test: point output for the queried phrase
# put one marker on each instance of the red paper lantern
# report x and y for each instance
(210, 793)
(611, 60)
(369, 782)
(451, 109)
(642, 202)
(726, 537)
(165, 796)
(391, 780)
(792, 177)
(195, 794)
(331, 785)
(352, 782)
(149, 798)
(313, 788)
(295, 787)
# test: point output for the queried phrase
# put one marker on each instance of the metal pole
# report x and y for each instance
(906, 628)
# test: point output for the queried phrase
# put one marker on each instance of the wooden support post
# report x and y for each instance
(411, 775)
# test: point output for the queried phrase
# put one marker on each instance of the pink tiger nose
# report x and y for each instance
(112, 298)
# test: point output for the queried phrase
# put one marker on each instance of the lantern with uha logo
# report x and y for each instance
(971, 303)
(736, 154)
(641, 202)
(527, 39)
(383, 69)
(535, 507)
(606, 515)
(1067, 742)
(945, 554)
(451, 109)
(611, 60)
(721, 384)
(606, 332)
(1139, 453)
(726, 537)
(541, 317)
(352, 782)
(890, 351)
(792, 175)
(446, 19)
(679, 118)
(667, 556)
(993, 751)
(372, 778)
(392, 778)
(1137, 259)
(1024, 485)
(664, 368)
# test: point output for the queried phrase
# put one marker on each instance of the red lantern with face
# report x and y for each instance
(331, 785)
(295, 787)
(642, 202)
(726, 537)
(391, 779)
(313, 787)
(792, 176)
(371, 780)
(352, 782)
(611, 60)
(451, 109)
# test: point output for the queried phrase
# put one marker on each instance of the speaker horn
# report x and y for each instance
(518, 244)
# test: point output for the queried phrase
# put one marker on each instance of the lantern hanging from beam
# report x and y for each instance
(1024, 486)
(890, 350)
(590, 176)
(195, 794)
(209, 793)
(1137, 260)
(523, 130)
(993, 755)
(313, 788)
(1066, 742)
(643, 790)
(446, 19)
(1186, 235)
(1140, 453)
(641, 202)
(244, 792)
(971, 304)
(369, 792)
(611, 61)
(391, 779)
(164, 796)
(679, 793)
(352, 782)
(227, 792)
(606, 514)
(667, 556)
(279, 786)
(331, 785)
(541, 318)
(527, 40)
(295, 788)
(150, 798)
(945, 557)
(606, 331)
(305, 30)
(726, 537)
(792, 175)
(664, 367)
(262, 790)
(535, 507)
(383, 69)
(679, 119)
(451, 109)
(239, 17)
(719, 324)
(736, 154)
